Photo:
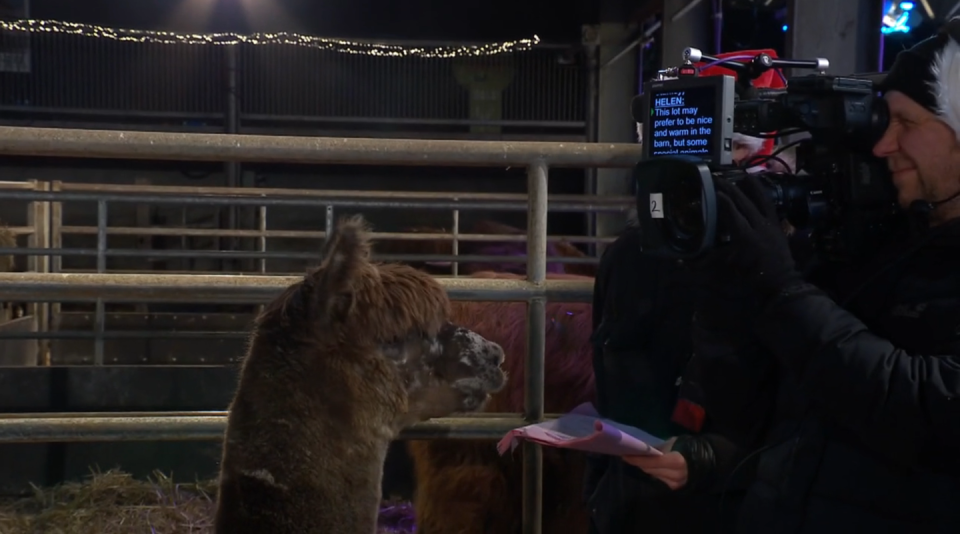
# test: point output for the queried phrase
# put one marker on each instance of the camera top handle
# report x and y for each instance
(749, 71)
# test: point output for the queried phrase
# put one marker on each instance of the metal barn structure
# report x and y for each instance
(72, 79)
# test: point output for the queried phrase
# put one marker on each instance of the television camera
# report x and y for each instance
(838, 193)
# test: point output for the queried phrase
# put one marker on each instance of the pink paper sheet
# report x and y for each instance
(584, 430)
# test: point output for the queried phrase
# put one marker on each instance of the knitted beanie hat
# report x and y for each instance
(929, 73)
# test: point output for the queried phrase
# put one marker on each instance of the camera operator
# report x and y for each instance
(642, 318)
(866, 434)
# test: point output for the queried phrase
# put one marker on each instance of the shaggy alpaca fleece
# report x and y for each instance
(336, 367)
(465, 486)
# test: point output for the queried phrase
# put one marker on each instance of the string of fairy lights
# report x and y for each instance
(283, 38)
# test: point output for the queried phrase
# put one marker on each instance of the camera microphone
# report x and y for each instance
(925, 208)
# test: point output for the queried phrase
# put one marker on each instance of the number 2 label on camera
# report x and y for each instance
(656, 205)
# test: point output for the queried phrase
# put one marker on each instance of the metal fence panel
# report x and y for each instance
(535, 156)
(97, 76)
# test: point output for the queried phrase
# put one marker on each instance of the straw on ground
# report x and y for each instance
(114, 502)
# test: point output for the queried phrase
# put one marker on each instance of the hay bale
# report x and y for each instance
(116, 503)
(113, 502)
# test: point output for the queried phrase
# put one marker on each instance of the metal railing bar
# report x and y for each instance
(314, 234)
(192, 200)
(210, 271)
(247, 289)
(183, 146)
(212, 413)
(273, 255)
(80, 427)
(24, 230)
(9, 184)
(325, 193)
(141, 334)
(350, 119)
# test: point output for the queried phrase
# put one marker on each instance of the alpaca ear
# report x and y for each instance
(345, 256)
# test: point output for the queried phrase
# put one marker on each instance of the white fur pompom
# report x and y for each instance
(946, 85)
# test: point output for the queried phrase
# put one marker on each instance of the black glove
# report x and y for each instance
(697, 451)
(758, 250)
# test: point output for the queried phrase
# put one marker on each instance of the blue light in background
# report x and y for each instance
(900, 26)
(785, 27)
(898, 17)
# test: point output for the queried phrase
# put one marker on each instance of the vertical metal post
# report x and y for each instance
(38, 216)
(455, 247)
(262, 244)
(56, 266)
(186, 263)
(262, 240)
(328, 226)
(591, 45)
(43, 318)
(536, 345)
(144, 242)
(101, 268)
(232, 121)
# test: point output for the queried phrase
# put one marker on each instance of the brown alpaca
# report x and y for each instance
(337, 366)
(464, 486)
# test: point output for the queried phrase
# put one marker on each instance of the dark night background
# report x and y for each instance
(552, 20)
(493, 20)
(556, 21)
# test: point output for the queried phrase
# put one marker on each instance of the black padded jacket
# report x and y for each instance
(866, 434)
(643, 312)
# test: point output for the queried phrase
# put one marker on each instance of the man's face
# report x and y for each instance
(921, 151)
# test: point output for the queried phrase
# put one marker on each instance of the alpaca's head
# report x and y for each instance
(361, 311)
(456, 371)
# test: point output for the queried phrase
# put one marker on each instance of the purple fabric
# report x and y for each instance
(397, 518)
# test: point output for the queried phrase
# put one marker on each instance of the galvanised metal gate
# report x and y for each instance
(537, 157)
